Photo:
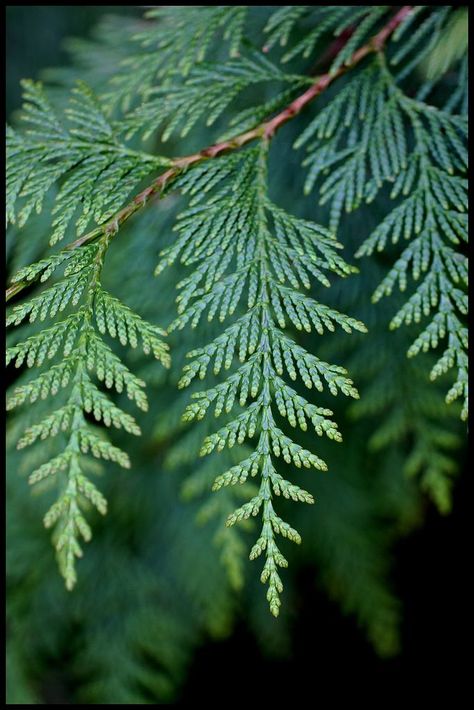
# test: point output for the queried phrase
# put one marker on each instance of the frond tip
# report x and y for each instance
(248, 257)
(77, 341)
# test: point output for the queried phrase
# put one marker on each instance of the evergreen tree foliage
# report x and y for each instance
(77, 339)
(271, 324)
(274, 258)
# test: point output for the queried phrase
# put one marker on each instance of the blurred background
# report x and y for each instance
(135, 641)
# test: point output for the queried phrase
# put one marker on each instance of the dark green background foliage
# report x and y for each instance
(162, 574)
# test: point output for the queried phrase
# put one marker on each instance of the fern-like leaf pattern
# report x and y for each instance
(238, 242)
(78, 342)
(371, 134)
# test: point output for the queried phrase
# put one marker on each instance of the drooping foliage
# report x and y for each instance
(77, 343)
(240, 245)
(373, 133)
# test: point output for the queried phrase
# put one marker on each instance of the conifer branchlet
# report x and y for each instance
(246, 262)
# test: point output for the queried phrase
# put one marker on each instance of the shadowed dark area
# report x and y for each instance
(431, 576)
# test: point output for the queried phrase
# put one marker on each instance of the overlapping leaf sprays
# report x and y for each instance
(237, 243)
(371, 134)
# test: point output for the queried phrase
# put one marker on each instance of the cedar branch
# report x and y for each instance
(266, 130)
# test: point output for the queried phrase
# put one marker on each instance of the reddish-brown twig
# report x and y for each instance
(266, 130)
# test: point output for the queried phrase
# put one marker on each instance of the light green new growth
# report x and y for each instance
(243, 248)
(77, 340)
